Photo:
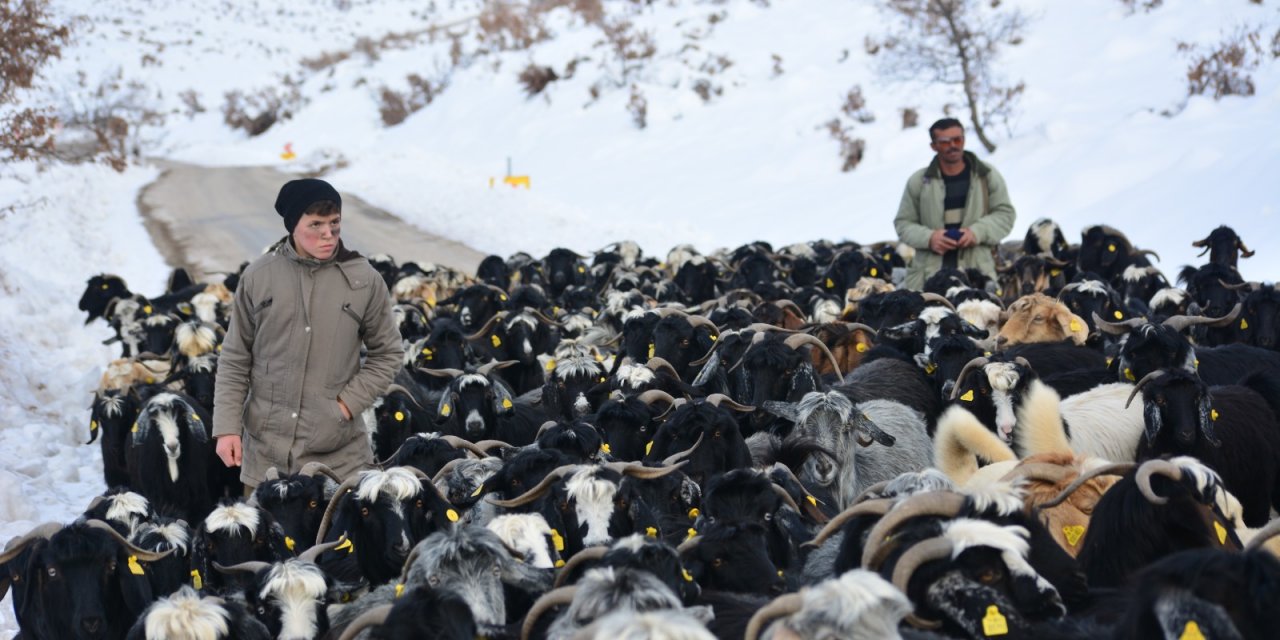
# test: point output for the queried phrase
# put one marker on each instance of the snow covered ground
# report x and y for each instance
(1088, 146)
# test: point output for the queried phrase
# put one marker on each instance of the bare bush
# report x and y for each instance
(706, 89)
(855, 107)
(535, 79)
(191, 103)
(257, 112)
(392, 107)
(110, 119)
(627, 50)
(777, 65)
(954, 42)
(26, 134)
(29, 37)
(1226, 68)
(851, 148)
(507, 26)
(1133, 6)
(395, 107)
(910, 118)
(638, 107)
(325, 60)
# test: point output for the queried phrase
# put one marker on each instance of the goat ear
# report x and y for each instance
(921, 361)
(551, 397)
(445, 408)
(1206, 419)
(503, 403)
(786, 410)
(276, 538)
(1074, 326)
(708, 370)
(869, 430)
(902, 331)
(134, 588)
(1153, 421)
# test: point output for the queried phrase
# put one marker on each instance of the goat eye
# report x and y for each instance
(989, 576)
(418, 504)
(53, 572)
(497, 571)
(313, 504)
(262, 611)
(433, 581)
(717, 562)
(364, 511)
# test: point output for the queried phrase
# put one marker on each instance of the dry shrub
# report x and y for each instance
(910, 118)
(325, 60)
(395, 107)
(855, 106)
(109, 121)
(191, 103)
(638, 107)
(392, 107)
(25, 135)
(628, 49)
(851, 148)
(777, 65)
(706, 90)
(535, 79)
(29, 37)
(505, 26)
(1226, 68)
(257, 112)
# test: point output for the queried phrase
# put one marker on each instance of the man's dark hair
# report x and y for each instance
(945, 123)
(323, 208)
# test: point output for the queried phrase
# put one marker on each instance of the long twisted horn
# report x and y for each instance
(933, 297)
(1105, 470)
(1180, 323)
(553, 598)
(681, 455)
(933, 503)
(877, 507)
(251, 566)
(656, 364)
(134, 550)
(937, 548)
(396, 387)
(16, 546)
(978, 362)
(1156, 467)
(540, 489)
(803, 338)
(310, 469)
(494, 319)
(582, 557)
(460, 443)
(488, 367)
(374, 617)
(332, 507)
(717, 399)
(783, 605)
(1116, 328)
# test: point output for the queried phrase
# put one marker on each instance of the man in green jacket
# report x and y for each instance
(291, 387)
(954, 212)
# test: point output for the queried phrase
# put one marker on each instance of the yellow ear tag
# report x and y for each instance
(692, 533)
(831, 283)
(1213, 414)
(694, 513)
(605, 448)
(994, 624)
(150, 380)
(1128, 374)
(1109, 359)
(862, 347)
(93, 425)
(399, 589)
(651, 532)
(714, 337)
(1118, 315)
(1111, 247)
(196, 582)
(968, 396)
(551, 365)
(477, 491)
(506, 403)
(426, 351)
(1075, 326)
(1055, 272)
(559, 562)
(105, 287)
(134, 429)
(647, 447)
(1191, 631)
(650, 349)
(582, 269)
(557, 540)
(451, 515)
(446, 410)
(873, 272)
(346, 544)
(887, 256)
(146, 309)
(399, 416)
(135, 568)
(1073, 534)
(930, 368)
(502, 297)
(1221, 531)
(688, 577)
(1244, 324)
(288, 542)
(812, 500)
(497, 342)
(1195, 364)
(779, 573)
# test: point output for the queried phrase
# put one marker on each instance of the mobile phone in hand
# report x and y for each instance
(954, 234)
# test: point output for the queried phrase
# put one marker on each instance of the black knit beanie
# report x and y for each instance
(296, 195)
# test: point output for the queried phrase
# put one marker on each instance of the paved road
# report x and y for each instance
(210, 219)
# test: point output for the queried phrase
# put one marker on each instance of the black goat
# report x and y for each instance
(297, 502)
(1224, 247)
(705, 434)
(170, 454)
(479, 406)
(233, 533)
(1230, 429)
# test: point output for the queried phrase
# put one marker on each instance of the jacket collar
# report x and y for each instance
(934, 170)
(347, 261)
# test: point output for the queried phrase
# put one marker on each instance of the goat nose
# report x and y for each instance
(91, 625)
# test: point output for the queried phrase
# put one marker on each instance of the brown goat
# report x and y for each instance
(1045, 477)
(1039, 318)
(848, 342)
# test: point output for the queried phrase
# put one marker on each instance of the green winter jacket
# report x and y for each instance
(988, 212)
(293, 348)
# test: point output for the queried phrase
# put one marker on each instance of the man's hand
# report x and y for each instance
(346, 413)
(967, 239)
(939, 243)
(229, 450)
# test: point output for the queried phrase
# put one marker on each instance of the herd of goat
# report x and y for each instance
(757, 443)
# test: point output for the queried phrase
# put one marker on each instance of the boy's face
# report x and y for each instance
(316, 236)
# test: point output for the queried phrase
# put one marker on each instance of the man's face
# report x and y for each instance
(948, 143)
(316, 236)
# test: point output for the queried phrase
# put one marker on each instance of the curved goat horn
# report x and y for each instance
(312, 468)
(374, 617)
(395, 387)
(1263, 535)
(330, 508)
(1116, 328)
(1180, 323)
(656, 395)
(1240, 286)
(1244, 251)
(920, 553)
(1158, 373)
(978, 362)
(16, 546)
(933, 503)
(1105, 470)
(681, 455)
(717, 399)
(783, 605)
(142, 554)
(494, 319)
(877, 507)
(445, 470)
(314, 551)
(539, 489)
(488, 367)
(581, 557)
(442, 373)
(272, 474)
(251, 566)
(803, 338)
(1156, 467)
(461, 443)
(656, 364)
(553, 598)
(933, 297)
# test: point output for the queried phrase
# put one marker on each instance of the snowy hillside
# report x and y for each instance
(752, 161)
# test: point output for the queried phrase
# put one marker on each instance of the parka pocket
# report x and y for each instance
(333, 431)
(345, 346)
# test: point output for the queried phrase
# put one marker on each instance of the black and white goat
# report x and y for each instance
(233, 533)
(170, 455)
(185, 615)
